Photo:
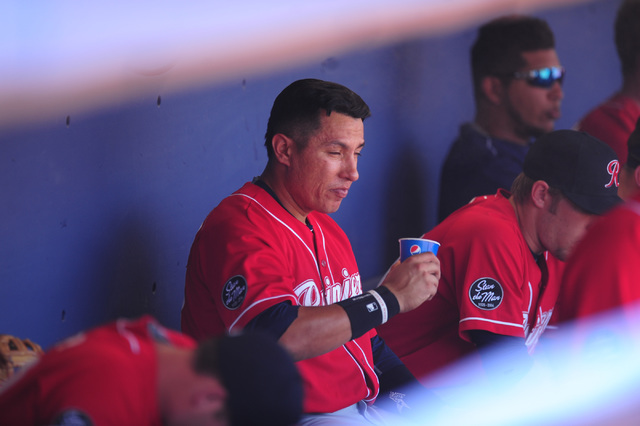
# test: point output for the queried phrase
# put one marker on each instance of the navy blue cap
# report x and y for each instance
(264, 385)
(582, 167)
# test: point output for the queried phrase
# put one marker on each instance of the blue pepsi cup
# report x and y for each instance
(411, 246)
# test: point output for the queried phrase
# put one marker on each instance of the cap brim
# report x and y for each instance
(594, 204)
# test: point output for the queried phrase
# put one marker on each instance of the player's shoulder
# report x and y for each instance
(247, 195)
(606, 113)
(242, 208)
(468, 148)
(486, 215)
(618, 225)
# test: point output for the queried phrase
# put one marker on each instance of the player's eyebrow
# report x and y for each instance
(341, 144)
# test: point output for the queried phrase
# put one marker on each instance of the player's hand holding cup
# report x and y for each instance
(414, 278)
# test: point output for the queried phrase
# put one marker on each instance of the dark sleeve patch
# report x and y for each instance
(73, 417)
(486, 293)
(234, 292)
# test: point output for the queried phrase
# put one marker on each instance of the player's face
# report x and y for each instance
(204, 416)
(209, 418)
(562, 227)
(321, 173)
(534, 110)
(200, 401)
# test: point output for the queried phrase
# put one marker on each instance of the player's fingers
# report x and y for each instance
(429, 263)
(432, 285)
(423, 257)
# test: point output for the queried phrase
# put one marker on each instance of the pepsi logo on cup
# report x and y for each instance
(411, 246)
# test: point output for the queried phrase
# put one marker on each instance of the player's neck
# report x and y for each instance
(499, 126)
(281, 194)
(631, 87)
(527, 224)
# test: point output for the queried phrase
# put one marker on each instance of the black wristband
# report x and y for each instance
(393, 306)
(369, 310)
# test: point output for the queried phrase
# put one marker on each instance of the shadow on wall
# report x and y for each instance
(113, 274)
(405, 195)
(131, 284)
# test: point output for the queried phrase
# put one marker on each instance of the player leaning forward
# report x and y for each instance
(269, 257)
(499, 254)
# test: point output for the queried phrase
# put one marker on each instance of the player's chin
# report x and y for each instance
(333, 206)
(542, 128)
(548, 124)
(561, 254)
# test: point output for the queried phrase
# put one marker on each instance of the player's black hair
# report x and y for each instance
(206, 360)
(627, 35)
(500, 43)
(296, 110)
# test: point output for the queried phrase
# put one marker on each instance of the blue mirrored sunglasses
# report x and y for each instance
(543, 77)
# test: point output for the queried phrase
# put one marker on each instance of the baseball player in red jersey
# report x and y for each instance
(258, 279)
(614, 119)
(140, 373)
(602, 274)
(499, 256)
(269, 257)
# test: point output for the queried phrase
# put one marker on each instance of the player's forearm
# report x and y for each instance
(316, 331)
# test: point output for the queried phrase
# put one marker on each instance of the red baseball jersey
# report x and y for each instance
(603, 271)
(490, 281)
(612, 122)
(106, 376)
(250, 254)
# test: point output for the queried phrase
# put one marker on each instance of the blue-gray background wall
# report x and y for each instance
(98, 210)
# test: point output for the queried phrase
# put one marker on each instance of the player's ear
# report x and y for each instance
(493, 89)
(540, 196)
(282, 148)
(636, 176)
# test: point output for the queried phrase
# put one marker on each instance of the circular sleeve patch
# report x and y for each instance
(486, 293)
(234, 292)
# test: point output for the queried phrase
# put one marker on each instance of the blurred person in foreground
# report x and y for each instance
(517, 80)
(136, 372)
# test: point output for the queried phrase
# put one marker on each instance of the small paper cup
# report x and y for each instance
(411, 246)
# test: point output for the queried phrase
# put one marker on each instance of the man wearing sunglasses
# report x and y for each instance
(517, 80)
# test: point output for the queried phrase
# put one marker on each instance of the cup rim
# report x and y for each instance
(419, 239)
